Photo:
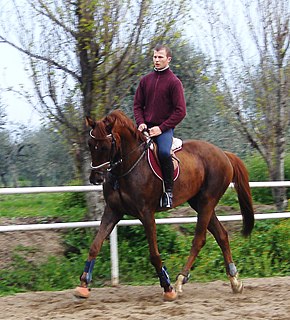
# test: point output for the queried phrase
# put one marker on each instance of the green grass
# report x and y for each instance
(30, 205)
(49, 205)
(265, 253)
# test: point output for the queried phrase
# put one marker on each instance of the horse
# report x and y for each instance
(119, 161)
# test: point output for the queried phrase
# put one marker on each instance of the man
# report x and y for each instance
(159, 105)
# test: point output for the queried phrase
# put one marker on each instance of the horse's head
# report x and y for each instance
(100, 145)
(108, 139)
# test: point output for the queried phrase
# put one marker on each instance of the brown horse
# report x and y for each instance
(118, 151)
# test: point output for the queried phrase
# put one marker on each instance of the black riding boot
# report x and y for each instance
(167, 172)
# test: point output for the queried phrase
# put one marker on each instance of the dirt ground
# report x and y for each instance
(33, 243)
(267, 298)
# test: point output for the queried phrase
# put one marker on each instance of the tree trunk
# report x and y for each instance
(14, 176)
(3, 179)
(279, 195)
(277, 174)
(94, 199)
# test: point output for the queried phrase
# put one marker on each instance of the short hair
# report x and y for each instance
(159, 47)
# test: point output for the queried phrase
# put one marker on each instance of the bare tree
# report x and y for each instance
(250, 42)
(84, 56)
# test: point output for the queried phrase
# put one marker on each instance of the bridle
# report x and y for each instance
(114, 163)
(100, 166)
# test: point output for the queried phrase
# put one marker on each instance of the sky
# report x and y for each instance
(12, 74)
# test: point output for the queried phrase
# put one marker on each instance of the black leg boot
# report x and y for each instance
(167, 172)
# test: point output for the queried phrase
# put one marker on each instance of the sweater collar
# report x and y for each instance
(161, 70)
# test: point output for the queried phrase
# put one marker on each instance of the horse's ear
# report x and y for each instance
(90, 122)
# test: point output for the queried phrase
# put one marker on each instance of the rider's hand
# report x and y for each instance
(142, 127)
(154, 131)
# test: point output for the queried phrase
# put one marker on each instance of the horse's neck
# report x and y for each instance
(131, 149)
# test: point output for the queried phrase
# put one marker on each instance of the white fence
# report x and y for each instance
(113, 236)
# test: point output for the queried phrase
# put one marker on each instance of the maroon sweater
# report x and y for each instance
(159, 100)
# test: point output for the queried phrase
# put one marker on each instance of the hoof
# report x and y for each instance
(238, 288)
(82, 292)
(179, 283)
(169, 296)
(237, 285)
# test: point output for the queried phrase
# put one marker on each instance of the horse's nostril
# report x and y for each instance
(96, 181)
(96, 177)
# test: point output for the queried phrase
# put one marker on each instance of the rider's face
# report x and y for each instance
(160, 59)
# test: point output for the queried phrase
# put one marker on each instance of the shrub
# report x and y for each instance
(265, 253)
(74, 199)
(258, 171)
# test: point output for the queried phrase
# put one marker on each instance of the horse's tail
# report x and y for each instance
(242, 187)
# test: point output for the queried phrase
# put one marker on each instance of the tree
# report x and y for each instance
(2, 114)
(203, 120)
(252, 68)
(34, 158)
(5, 146)
(44, 159)
(9, 153)
(84, 56)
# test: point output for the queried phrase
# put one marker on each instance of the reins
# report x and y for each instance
(113, 165)
(135, 164)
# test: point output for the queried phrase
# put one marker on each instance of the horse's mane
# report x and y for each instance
(117, 121)
(118, 124)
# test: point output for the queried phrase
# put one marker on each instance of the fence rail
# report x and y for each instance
(113, 236)
(133, 222)
(27, 190)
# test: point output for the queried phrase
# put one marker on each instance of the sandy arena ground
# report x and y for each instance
(267, 298)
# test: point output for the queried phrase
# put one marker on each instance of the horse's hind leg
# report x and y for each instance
(198, 242)
(221, 236)
(109, 220)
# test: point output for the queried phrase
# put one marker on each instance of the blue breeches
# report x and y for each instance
(164, 143)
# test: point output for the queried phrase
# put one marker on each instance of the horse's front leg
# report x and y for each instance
(108, 222)
(150, 230)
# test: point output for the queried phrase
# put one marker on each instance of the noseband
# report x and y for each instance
(100, 166)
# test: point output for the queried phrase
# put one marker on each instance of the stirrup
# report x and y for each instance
(166, 200)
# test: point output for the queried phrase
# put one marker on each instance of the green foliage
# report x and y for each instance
(229, 198)
(31, 205)
(73, 200)
(258, 171)
(44, 159)
(287, 169)
(265, 253)
(24, 275)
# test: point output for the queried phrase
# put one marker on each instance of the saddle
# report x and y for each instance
(154, 163)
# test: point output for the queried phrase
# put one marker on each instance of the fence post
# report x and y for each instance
(114, 257)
